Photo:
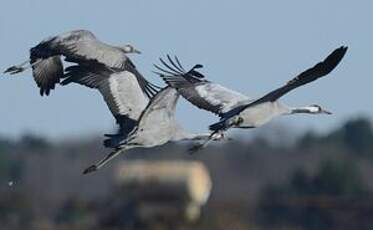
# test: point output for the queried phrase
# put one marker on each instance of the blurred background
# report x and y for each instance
(299, 172)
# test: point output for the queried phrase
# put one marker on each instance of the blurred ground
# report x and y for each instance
(319, 181)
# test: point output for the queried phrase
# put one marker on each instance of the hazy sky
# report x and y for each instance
(249, 46)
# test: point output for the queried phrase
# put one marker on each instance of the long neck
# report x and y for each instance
(304, 109)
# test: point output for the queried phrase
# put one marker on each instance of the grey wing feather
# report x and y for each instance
(120, 90)
(158, 118)
(148, 88)
(189, 92)
(321, 69)
(46, 62)
(123, 95)
(47, 73)
(88, 75)
(200, 92)
(81, 46)
(219, 97)
(158, 124)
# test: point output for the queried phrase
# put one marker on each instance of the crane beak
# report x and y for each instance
(326, 112)
(136, 51)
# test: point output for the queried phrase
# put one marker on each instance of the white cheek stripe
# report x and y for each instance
(312, 109)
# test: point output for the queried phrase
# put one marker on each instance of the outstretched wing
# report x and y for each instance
(80, 46)
(47, 67)
(198, 91)
(121, 91)
(319, 70)
(83, 45)
(155, 127)
(157, 123)
(47, 73)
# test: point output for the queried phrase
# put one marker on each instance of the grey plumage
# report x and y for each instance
(47, 73)
(156, 126)
(98, 65)
(202, 93)
(262, 110)
(79, 46)
(120, 90)
(237, 110)
(145, 115)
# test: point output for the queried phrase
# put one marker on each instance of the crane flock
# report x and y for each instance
(145, 112)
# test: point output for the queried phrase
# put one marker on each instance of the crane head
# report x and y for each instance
(316, 109)
(130, 49)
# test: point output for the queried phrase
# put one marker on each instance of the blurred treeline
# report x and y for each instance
(319, 181)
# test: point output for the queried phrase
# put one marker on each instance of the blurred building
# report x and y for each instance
(168, 191)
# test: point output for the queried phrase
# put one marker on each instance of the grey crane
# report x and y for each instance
(156, 126)
(120, 90)
(99, 66)
(243, 112)
(194, 87)
(76, 46)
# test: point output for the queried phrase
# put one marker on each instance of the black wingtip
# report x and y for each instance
(344, 47)
(173, 63)
(195, 73)
(178, 62)
(90, 169)
(342, 50)
(198, 66)
(334, 59)
(174, 70)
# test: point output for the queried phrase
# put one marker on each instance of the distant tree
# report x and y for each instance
(72, 211)
(303, 199)
(5, 144)
(338, 178)
(32, 142)
(4, 163)
(308, 139)
(356, 135)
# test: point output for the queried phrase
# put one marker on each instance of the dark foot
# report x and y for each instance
(90, 169)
